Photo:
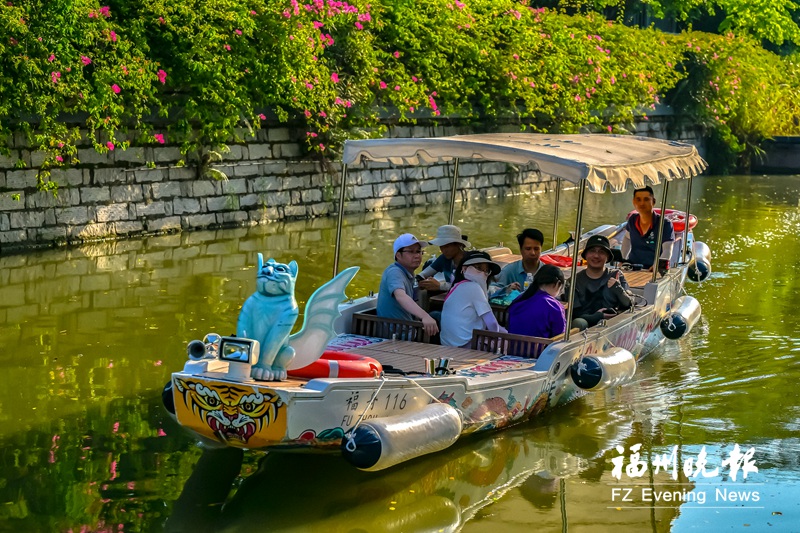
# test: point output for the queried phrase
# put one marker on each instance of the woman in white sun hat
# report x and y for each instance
(452, 245)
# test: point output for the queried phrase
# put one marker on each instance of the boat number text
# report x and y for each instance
(389, 402)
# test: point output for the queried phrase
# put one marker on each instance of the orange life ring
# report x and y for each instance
(678, 219)
(561, 261)
(333, 364)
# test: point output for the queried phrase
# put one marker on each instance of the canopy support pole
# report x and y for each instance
(453, 192)
(339, 222)
(660, 234)
(686, 227)
(555, 214)
(574, 271)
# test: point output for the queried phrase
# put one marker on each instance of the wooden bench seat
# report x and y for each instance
(371, 325)
(508, 343)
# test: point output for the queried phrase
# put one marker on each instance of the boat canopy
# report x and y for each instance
(601, 160)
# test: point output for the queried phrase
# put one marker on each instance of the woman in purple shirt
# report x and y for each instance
(537, 312)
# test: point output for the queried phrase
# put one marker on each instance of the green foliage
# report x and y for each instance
(214, 69)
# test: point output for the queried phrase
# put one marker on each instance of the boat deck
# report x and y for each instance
(410, 356)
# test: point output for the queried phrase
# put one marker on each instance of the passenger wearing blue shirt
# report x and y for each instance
(397, 292)
(639, 243)
(513, 275)
(452, 245)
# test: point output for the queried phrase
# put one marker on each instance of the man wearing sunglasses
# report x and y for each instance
(397, 294)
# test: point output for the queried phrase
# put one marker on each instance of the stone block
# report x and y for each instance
(376, 203)
(235, 153)
(198, 221)
(245, 169)
(106, 176)
(362, 191)
(134, 154)
(398, 201)
(232, 217)
(127, 193)
(96, 282)
(150, 209)
(70, 177)
(51, 234)
(164, 224)
(469, 169)
(13, 236)
(295, 197)
(287, 150)
(5, 222)
(126, 227)
(438, 171)
(278, 198)
(294, 211)
(386, 189)
(296, 182)
(181, 206)
(275, 168)
(93, 195)
(90, 232)
(90, 156)
(248, 200)
(148, 175)
(278, 134)
(222, 203)
(167, 154)
(168, 189)
(7, 202)
(203, 188)
(21, 179)
(26, 219)
(265, 184)
(72, 215)
(321, 209)
(10, 160)
(260, 151)
(392, 174)
(234, 186)
(182, 173)
(311, 196)
(107, 213)
(429, 186)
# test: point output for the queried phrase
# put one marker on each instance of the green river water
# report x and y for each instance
(91, 335)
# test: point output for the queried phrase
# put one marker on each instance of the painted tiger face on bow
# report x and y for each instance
(233, 413)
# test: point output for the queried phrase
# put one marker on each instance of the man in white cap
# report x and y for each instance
(452, 245)
(396, 294)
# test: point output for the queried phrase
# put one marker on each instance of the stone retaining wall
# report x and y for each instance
(146, 190)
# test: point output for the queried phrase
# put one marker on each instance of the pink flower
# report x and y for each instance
(227, 47)
(311, 134)
(307, 113)
(51, 58)
(609, 129)
(577, 98)
(161, 433)
(515, 56)
(115, 88)
(253, 13)
(110, 146)
(411, 109)
(321, 146)
(323, 114)
(237, 31)
(382, 85)
(162, 76)
(309, 86)
(159, 137)
(59, 159)
(105, 11)
(113, 36)
(54, 76)
(396, 87)
(396, 55)
(262, 116)
(161, 20)
(414, 79)
(85, 60)
(334, 77)
(359, 26)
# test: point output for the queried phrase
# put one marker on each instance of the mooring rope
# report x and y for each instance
(351, 443)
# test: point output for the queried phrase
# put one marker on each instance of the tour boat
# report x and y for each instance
(374, 388)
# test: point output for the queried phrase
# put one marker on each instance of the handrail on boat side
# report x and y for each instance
(370, 324)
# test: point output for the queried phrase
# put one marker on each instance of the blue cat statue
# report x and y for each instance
(269, 315)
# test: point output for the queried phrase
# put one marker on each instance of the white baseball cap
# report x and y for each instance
(405, 240)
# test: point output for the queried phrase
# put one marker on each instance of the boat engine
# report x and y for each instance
(680, 320)
(384, 442)
(601, 371)
(700, 266)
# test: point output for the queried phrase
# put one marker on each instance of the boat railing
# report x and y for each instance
(508, 343)
(368, 324)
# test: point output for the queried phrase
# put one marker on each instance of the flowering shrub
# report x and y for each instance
(213, 67)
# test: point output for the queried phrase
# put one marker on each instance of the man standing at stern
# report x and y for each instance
(639, 243)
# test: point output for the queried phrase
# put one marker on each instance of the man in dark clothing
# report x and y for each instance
(599, 293)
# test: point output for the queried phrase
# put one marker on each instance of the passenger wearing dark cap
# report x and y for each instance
(466, 306)
(599, 292)
(514, 274)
